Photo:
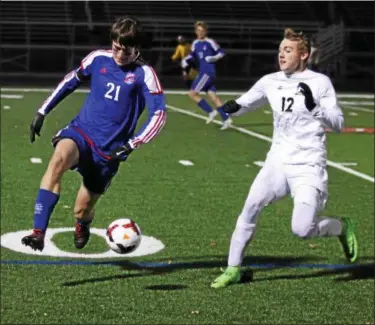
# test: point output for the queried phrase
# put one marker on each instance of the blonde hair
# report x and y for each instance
(200, 23)
(303, 41)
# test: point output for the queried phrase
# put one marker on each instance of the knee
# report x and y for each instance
(303, 230)
(193, 94)
(304, 224)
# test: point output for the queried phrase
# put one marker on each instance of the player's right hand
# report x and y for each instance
(36, 126)
(231, 107)
(121, 153)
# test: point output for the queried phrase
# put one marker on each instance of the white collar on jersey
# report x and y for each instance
(297, 74)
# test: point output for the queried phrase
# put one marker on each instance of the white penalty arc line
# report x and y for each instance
(268, 139)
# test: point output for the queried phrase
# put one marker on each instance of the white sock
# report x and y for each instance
(241, 238)
(306, 224)
(329, 227)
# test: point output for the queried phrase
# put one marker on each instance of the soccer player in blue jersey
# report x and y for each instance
(205, 52)
(103, 133)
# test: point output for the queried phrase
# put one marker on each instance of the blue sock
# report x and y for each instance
(205, 106)
(223, 115)
(44, 204)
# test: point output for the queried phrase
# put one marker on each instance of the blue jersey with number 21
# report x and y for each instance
(117, 98)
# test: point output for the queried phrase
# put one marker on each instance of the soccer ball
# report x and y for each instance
(123, 236)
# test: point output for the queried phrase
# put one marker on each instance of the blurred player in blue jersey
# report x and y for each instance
(102, 134)
(205, 52)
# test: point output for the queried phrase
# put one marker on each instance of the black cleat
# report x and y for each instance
(81, 235)
(35, 240)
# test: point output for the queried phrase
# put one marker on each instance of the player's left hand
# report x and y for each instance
(209, 59)
(122, 152)
(231, 107)
(306, 91)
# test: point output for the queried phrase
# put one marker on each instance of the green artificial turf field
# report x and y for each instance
(192, 210)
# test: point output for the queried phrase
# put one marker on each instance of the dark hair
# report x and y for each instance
(127, 31)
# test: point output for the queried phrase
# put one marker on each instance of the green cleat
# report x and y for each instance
(349, 241)
(231, 275)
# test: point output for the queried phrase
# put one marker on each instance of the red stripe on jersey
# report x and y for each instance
(157, 127)
(59, 86)
(93, 54)
(158, 124)
(92, 144)
(158, 86)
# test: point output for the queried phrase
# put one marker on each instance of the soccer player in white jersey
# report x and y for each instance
(303, 103)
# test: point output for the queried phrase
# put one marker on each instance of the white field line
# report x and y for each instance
(351, 102)
(259, 163)
(242, 130)
(11, 96)
(360, 109)
(268, 139)
(36, 160)
(186, 162)
(348, 164)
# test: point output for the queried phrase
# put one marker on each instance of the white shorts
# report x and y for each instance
(276, 180)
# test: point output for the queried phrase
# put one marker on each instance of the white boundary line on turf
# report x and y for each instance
(242, 130)
(176, 92)
(359, 109)
(364, 103)
(268, 139)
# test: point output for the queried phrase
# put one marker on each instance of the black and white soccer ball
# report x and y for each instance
(123, 236)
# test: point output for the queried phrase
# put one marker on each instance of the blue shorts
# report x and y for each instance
(95, 167)
(203, 82)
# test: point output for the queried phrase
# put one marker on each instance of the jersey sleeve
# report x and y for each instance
(328, 109)
(190, 58)
(155, 102)
(218, 51)
(253, 99)
(70, 83)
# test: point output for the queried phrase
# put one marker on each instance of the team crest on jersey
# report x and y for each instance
(129, 78)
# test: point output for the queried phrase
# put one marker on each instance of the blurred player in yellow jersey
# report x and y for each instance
(182, 50)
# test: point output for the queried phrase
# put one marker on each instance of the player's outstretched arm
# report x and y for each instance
(249, 101)
(70, 82)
